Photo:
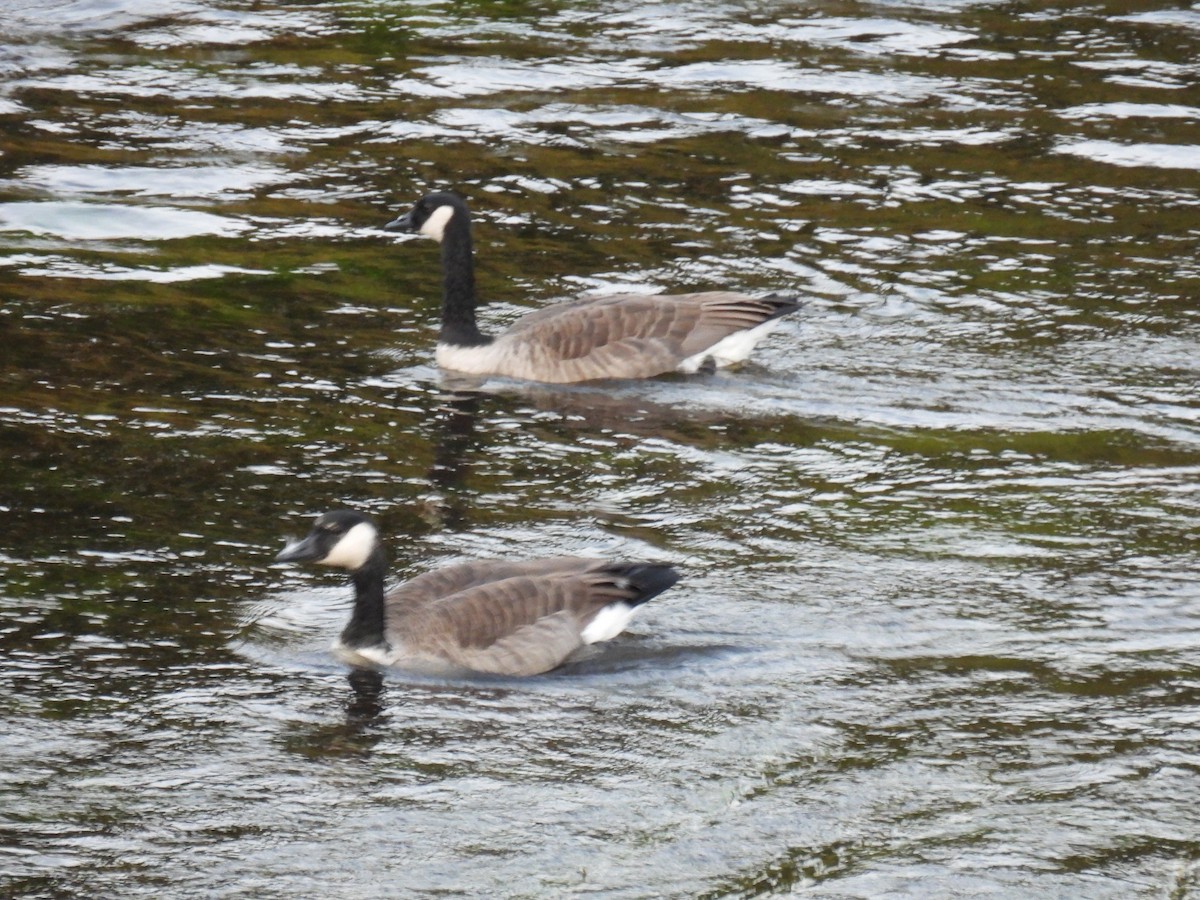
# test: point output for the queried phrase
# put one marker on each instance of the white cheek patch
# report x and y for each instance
(435, 225)
(354, 549)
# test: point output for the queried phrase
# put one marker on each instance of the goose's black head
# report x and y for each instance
(342, 538)
(431, 214)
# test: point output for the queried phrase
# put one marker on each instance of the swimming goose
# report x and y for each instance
(616, 336)
(493, 616)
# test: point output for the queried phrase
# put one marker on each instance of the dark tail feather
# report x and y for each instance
(647, 580)
(780, 305)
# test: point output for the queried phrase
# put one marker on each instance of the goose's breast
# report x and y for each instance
(487, 359)
(366, 657)
(398, 656)
(511, 357)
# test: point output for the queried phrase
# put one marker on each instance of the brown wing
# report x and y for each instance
(530, 650)
(723, 313)
(627, 335)
(518, 625)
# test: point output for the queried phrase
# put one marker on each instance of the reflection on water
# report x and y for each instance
(362, 728)
(937, 629)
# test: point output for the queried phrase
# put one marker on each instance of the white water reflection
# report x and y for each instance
(1120, 110)
(870, 36)
(84, 17)
(620, 124)
(1144, 73)
(481, 77)
(136, 129)
(147, 181)
(105, 221)
(776, 75)
(1177, 18)
(259, 81)
(1163, 156)
(35, 265)
(213, 26)
(659, 29)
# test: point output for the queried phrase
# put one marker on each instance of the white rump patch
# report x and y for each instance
(435, 225)
(608, 623)
(731, 349)
(355, 547)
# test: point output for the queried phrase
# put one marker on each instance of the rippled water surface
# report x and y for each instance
(939, 632)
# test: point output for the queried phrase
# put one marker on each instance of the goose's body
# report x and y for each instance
(616, 336)
(493, 616)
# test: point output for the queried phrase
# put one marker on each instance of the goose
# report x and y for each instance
(497, 617)
(615, 336)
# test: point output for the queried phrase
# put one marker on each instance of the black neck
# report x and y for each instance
(458, 297)
(365, 628)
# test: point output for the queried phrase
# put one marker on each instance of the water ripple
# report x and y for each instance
(938, 620)
(100, 221)
(1164, 156)
(143, 181)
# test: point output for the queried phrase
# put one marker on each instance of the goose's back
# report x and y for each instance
(437, 584)
(510, 618)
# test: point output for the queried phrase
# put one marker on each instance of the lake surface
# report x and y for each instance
(939, 628)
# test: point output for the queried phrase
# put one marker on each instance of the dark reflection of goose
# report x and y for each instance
(454, 425)
(358, 732)
(454, 422)
(615, 407)
(636, 656)
(365, 704)
(622, 406)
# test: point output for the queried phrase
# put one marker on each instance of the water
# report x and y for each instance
(939, 624)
